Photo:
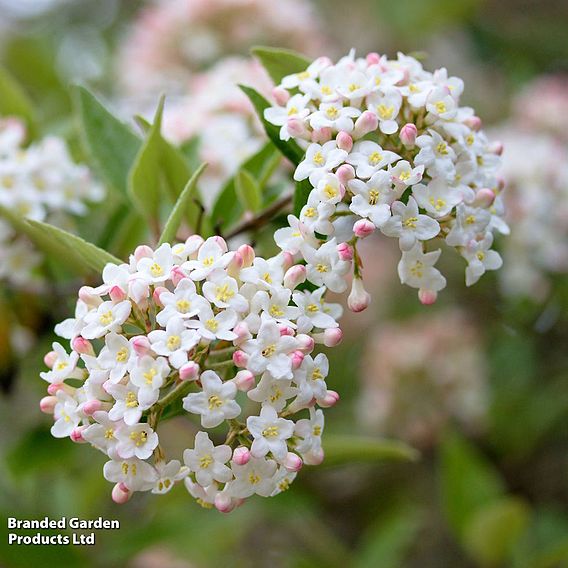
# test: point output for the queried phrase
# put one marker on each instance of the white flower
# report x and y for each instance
(386, 106)
(127, 405)
(107, 317)
(215, 403)
(404, 175)
(157, 268)
(211, 326)
(372, 199)
(175, 342)
(282, 480)
(167, 475)
(368, 158)
(116, 356)
(480, 258)
(208, 461)
(138, 441)
(435, 154)
(209, 258)
(66, 415)
(438, 198)
(470, 222)
(272, 392)
(64, 366)
(441, 104)
(312, 72)
(335, 116)
(254, 477)
(324, 267)
(276, 305)
(408, 225)
(267, 273)
(270, 433)
(310, 378)
(316, 215)
(136, 474)
(183, 302)
(223, 291)
(102, 434)
(295, 108)
(149, 374)
(270, 351)
(329, 189)
(290, 238)
(416, 269)
(310, 430)
(319, 160)
(315, 312)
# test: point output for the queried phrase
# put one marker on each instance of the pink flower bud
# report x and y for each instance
(189, 371)
(373, 58)
(242, 331)
(484, 197)
(363, 228)
(82, 346)
(234, 267)
(345, 251)
(54, 387)
(247, 254)
(224, 503)
(193, 244)
(120, 494)
(241, 455)
(280, 95)
(49, 359)
(366, 123)
(287, 260)
(305, 342)
(297, 359)
(408, 135)
(292, 462)
(474, 122)
(141, 345)
(314, 457)
(345, 172)
(427, 297)
(87, 295)
(294, 276)
(332, 337)
(177, 275)
(221, 242)
(77, 435)
(240, 358)
(47, 404)
(285, 330)
(331, 398)
(359, 299)
(244, 380)
(117, 294)
(297, 128)
(496, 148)
(344, 141)
(92, 406)
(321, 135)
(158, 291)
(143, 251)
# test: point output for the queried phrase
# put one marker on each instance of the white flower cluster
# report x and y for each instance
(39, 182)
(165, 334)
(388, 147)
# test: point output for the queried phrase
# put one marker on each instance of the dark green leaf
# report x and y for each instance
(301, 192)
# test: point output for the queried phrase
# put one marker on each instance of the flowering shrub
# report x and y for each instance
(388, 147)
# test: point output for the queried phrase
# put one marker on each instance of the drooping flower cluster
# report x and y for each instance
(535, 167)
(39, 182)
(164, 335)
(421, 374)
(388, 147)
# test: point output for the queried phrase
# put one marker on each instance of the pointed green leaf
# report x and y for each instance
(84, 257)
(340, 450)
(14, 101)
(289, 149)
(280, 62)
(301, 193)
(181, 206)
(248, 191)
(110, 143)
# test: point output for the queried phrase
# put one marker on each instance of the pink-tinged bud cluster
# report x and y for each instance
(389, 148)
(185, 329)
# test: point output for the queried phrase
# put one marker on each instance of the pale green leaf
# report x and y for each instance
(280, 62)
(14, 101)
(248, 191)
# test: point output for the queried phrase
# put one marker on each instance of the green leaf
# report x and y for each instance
(280, 62)
(248, 191)
(469, 481)
(340, 450)
(110, 143)
(181, 206)
(301, 192)
(495, 529)
(14, 101)
(289, 149)
(65, 247)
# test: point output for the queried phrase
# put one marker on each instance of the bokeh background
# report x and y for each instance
(478, 383)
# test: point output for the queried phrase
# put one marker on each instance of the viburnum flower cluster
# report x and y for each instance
(389, 147)
(39, 182)
(224, 337)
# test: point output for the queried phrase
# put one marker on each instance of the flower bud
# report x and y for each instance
(141, 345)
(120, 494)
(158, 291)
(344, 141)
(82, 346)
(224, 503)
(292, 462)
(359, 299)
(305, 342)
(193, 244)
(297, 359)
(138, 290)
(285, 330)
(117, 294)
(244, 380)
(408, 135)
(297, 128)
(221, 242)
(143, 251)
(87, 295)
(345, 172)
(363, 228)
(332, 337)
(47, 404)
(321, 135)
(241, 455)
(240, 358)
(234, 267)
(287, 260)
(295, 276)
(484, 197)
(427, 297)
(331, 398)
(242, 331)
(177, 275)
(366, 123)
(373, 58)
(92, 406)
(247, 254)
(189, 371)
(496, 148)
(280, 95)
(77, 435)
(49, 359)
(314, 457)
(345, 251)
(474, 122)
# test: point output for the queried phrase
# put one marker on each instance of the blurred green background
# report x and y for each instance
(485, 403)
